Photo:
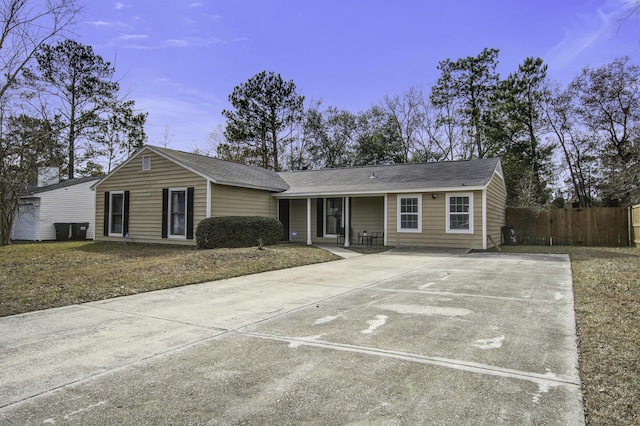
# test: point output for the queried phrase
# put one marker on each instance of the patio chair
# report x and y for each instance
(375, 236)
(340, 236)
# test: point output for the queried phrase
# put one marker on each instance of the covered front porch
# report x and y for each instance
(335, 219)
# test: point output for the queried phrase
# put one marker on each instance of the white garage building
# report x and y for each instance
(70, 201)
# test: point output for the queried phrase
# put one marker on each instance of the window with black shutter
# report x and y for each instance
(177, 213)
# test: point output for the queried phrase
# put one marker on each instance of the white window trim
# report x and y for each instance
(448, 213)
(111, 194)
(186, 213)
(399, 219)
(148, 164)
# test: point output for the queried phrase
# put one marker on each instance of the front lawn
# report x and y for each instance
(49, 275)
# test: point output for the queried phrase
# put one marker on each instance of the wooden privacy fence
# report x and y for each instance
(594, 226)
(634, 215)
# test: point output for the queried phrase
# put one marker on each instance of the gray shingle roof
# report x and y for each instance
(392, 178)
(350, 180)
(65, 183)
(226, 172)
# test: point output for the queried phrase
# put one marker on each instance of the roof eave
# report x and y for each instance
(258, 187)
(320, 194)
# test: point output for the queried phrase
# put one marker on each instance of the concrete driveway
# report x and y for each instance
(401, 337)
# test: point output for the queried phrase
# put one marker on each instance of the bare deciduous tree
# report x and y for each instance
(27, 25)
(408, 115)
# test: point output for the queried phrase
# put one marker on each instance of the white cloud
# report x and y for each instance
(126, 37)
(188, 111)
(177, 43)
(584, 33)
(192, 41)
(99, 23)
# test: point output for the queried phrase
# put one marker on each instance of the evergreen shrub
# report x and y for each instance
(237, 231)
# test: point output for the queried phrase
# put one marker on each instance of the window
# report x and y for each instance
(460, 213)
(410, 213)
(178, 213)
(146, 162)
(334, 216)
(116, 214)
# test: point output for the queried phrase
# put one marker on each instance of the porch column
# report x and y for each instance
(386, 218)
(347, 225)
(309, 221)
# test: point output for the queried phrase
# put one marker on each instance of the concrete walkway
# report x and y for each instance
(390, 338)
(341, 251)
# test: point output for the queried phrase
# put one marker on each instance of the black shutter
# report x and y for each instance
(105, 225)
(320, 218)
(190, 213)
(125, 218)
(165, 212)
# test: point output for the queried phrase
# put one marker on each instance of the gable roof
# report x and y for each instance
(401, 178)
(64, 184)
(225, 172)
(218, 171)
(446, 175)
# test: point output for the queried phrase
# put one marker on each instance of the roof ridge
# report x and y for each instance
(392, 165)
(224, 171)
(210, 158)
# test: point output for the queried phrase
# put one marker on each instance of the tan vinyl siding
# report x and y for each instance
(145, 205)
(434, 224)
(367, 213)
(235, 201)
(496, 204)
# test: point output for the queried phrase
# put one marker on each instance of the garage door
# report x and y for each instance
(24, 225)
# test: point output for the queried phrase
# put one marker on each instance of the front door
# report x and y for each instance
(334, 221)
(283, 217)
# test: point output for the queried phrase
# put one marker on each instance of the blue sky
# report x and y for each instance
(180, 59)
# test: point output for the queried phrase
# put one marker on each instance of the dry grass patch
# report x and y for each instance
(607, 303)
(49, 275)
